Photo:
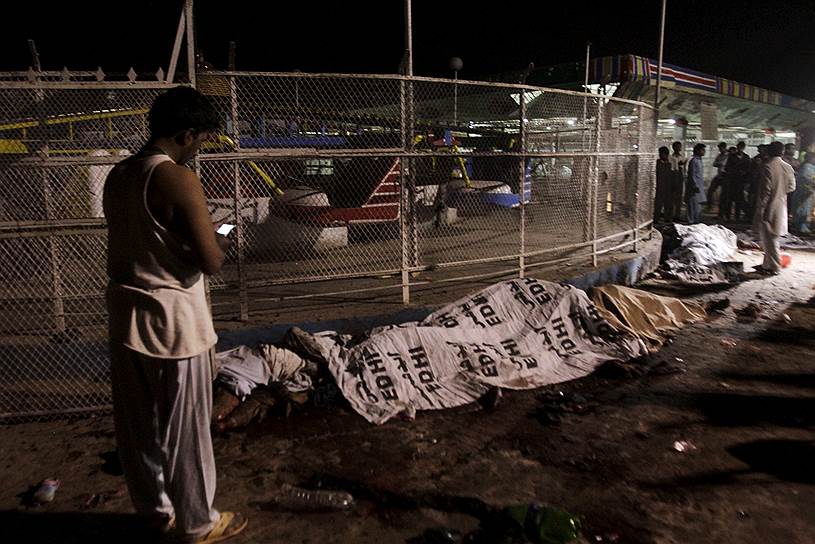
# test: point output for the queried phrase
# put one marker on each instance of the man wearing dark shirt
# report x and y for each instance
(663, 200)
(738, 179)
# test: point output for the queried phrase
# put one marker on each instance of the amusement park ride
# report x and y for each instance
(297, 202)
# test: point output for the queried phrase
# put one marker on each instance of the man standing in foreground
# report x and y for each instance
(770, 220)
(161, 242)
(695, 190)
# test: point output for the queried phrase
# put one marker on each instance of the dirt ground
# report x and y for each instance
(739, 390)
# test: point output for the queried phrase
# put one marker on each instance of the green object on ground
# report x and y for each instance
(544, 524)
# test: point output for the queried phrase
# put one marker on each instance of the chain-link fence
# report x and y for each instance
(58, 141)
(355, 187)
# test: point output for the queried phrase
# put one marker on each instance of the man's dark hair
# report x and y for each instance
(775, 149)
(182, 108)
(788, 147)
(698, 147)
(722, 145)
(676, 144)
(741, 145)
(664, 150)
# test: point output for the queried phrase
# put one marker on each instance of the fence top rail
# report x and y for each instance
(68, 85)
(249, 154)
(398, 77)
(38, 83)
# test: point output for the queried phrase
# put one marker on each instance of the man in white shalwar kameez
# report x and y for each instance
(770, 219)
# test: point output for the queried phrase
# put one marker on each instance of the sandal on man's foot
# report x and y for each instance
(230, 524)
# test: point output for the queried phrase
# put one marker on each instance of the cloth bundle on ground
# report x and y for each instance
(749, 240)
(241, 369)
(653, 318)
(516, 334)
(701, 254)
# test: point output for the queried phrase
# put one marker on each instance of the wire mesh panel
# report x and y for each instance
(467, 187)
(314, 163)
(616, 195)
(647, 147)
(462, 220)
(561, 134)
(58, 142)
(53, 322)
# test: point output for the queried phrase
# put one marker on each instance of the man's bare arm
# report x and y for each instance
(180, 189)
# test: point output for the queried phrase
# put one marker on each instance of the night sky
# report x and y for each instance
(770, 44)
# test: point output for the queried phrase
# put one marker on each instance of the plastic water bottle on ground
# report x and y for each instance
(297, 498)
(45, 491)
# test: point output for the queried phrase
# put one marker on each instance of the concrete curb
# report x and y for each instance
(625, 272)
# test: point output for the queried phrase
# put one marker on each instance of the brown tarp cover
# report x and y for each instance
(653, 318)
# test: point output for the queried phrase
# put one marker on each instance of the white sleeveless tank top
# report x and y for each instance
(156, 298)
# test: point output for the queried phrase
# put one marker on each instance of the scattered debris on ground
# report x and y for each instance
(684, 446)
(39, 494)
(748, 313)
(531, 523)
(554, 405)
(717, 305)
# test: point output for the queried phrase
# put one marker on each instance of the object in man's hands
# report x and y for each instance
(225, 229)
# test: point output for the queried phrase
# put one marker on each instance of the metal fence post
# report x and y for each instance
(243, 301)
(595, 179)
(522, 182)
(652, 176)
(188, 16)
(414, 222)
(54, 257)
(53, 247)
(588, 235)
(636, 214)
(403, 194)
(636, 218)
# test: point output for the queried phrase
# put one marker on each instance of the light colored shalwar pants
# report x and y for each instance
(694, 211)
(772, 248)
(162, 410)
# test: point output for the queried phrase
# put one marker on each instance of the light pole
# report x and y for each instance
(409, 38)
(456, 64)
(586, 90)
(659, 65)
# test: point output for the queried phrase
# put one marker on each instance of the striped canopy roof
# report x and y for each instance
(625, 68)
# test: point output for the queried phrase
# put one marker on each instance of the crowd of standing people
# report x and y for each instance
(765, 191)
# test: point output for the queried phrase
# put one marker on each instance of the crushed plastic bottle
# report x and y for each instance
(684, 446)
(297, 498)
(46, 490)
